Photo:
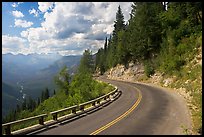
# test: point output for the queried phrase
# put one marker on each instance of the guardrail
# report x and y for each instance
(80, 107)
(72, 108)
(7, 126)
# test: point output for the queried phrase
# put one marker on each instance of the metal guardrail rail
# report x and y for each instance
(80, 107)
(7, 126)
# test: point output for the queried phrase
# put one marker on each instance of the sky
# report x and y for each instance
(66, 28)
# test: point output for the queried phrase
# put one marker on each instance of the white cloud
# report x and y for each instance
(12, 44)
(44, 6)
(35, 34)
(14, 5)
(70, 28)
(33, 11)
(17, 14)
(22, 23)
(20, 3)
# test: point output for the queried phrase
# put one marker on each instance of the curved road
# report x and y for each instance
(140, 110)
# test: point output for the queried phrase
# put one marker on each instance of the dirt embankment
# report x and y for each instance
(135, 73)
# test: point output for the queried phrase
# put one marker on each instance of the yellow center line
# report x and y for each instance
(120, 117)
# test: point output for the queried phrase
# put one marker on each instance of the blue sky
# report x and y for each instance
(67, 28)
(8, 18)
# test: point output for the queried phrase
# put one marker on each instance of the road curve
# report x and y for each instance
(140, 110)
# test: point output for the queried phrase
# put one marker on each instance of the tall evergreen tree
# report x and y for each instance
(18, 109)
(106, 45)
(119, 23)
(146, 34)
(24, 104)
(86, 63)
(47, 94)
(118, 26)
(38, 101)
(63, 80)
(42, 96)
(54, 92)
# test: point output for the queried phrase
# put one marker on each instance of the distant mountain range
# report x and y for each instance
(22, 66)
(34, 72)
(10, 96)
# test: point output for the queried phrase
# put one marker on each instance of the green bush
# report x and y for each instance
(149, 70)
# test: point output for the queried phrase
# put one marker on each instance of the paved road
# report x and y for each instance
(140, 110)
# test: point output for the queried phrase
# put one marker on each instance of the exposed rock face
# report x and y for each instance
(132, 73)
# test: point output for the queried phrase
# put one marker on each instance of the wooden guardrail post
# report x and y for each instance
(54, 116)
(41, 120)
(74, 110)
(82, 107)
(94, 103)
(98, 101)
(109, 96)
(104, 98)
(8, 130)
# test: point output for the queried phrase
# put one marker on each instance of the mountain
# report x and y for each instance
(10, 98)
(45, 77)
(22, 67)
(33, 72)
(70, 61)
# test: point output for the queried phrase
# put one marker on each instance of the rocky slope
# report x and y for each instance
(135, 73)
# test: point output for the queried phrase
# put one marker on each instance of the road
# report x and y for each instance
(140, 110)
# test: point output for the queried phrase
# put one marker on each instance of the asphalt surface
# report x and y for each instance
(159, 112)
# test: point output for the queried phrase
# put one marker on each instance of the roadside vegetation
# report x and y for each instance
(166, 38)
(71, 91)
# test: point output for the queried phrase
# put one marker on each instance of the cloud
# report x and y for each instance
(34, 12)
(77, 24)
(22, 23)
(17, 14)
(44, 6)
(14, 5)
(12, 44)
(35, 34)
(70, 28)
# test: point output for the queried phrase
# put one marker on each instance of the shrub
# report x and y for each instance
(149, 70)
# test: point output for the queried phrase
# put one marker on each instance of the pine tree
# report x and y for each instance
(105, 45)
(18, 109)
(62, 79)
(118, 26)
(47, 95)
(24, 104)
(30, 103)
(119, 23)
(86, 62)
(38, 101)
(54, 92)
(146, 30)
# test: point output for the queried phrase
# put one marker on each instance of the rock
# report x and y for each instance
(131, 64)
(187, 81)
(133, 72)
(167, 81)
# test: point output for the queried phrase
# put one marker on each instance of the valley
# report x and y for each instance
(27, 75)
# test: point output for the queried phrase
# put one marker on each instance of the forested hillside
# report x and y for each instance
(164, 38)
(72, 90)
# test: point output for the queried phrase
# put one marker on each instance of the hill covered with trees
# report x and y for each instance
(165, 38)
(72, 90)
